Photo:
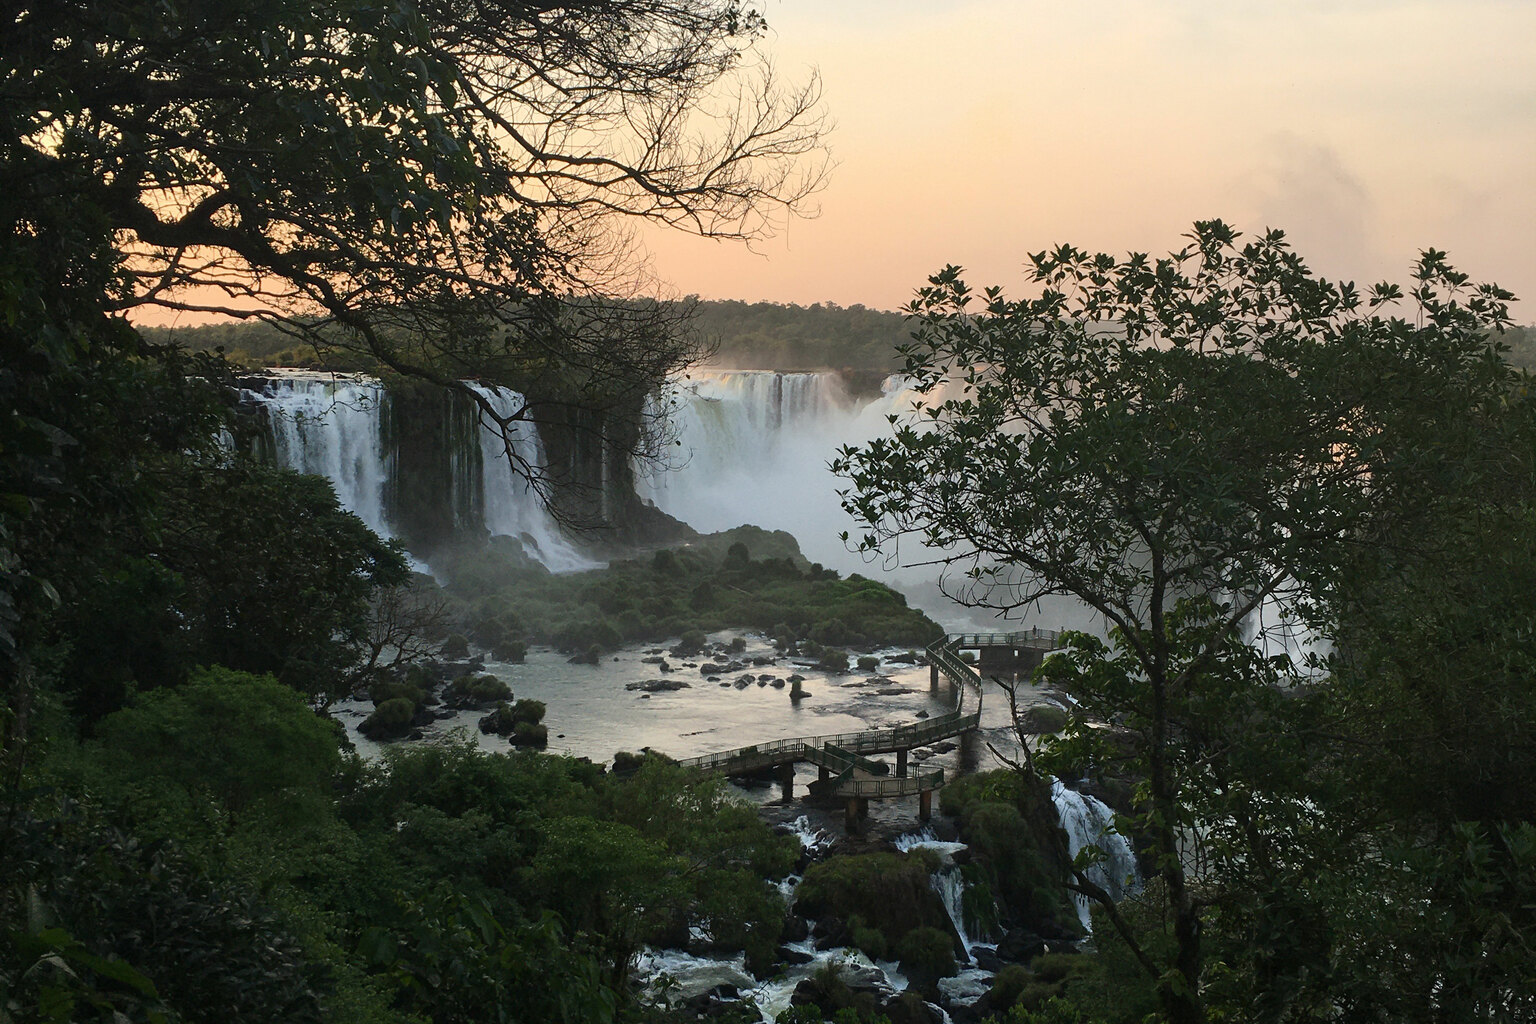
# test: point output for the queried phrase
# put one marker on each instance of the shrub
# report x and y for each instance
(401, 689)
(531, 711)
(870, 940)
(513, 651)
(1008, 985)
(476, 689)
(927, 954)
(530, 734)
(390, 719)
(833, 659)
(868, 663)
(456, 646)
(885, 891)
(1042, 718)
(691, 642)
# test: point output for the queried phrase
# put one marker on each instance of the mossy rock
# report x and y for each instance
(499, 722)
(868, 663)
(400, 689)
(1042, 718)
(927, 954)
(888, 892)
(833, 660)
(390, 720)
(476, 691)
(530, 734)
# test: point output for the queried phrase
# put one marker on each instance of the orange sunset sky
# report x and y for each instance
(973, 132)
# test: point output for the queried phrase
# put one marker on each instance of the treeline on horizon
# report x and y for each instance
(745, 335)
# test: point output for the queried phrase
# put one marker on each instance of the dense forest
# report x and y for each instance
(743, 335)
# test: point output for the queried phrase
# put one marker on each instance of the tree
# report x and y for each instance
(440, 185)
(1194, 447)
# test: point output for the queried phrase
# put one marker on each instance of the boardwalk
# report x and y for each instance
(846, 772)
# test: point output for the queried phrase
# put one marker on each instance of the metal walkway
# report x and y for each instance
(840, 756)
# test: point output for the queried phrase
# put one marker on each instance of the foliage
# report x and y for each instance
(189, 947)
(1200, 440)
(695, 590)
(888, 892)
(926, 955)
(238, 739)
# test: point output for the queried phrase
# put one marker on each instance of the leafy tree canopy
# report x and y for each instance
(1199, 447)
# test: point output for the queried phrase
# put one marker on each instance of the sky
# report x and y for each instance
(974, 132)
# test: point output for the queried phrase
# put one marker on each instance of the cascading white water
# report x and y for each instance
(511, 506)
(753, 447)
(1089, 822)
(947, 881)
(332, 426)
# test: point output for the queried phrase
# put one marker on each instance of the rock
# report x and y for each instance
(658, 685)
(742, 682)
(724, 685)
(1020, 946)
(793, 957)
(910, 1008)
(921, 714)
(1041, 718)
(944, 747)
(987, 960)
(778, 684)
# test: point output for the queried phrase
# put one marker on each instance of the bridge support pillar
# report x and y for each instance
(787, 781)
(933, 677)
(901, 764)
(857, 811)
(822, 775)
(925, 805)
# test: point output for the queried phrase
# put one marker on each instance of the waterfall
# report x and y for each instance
(334, 425)
(753, 447)
(1089, 822)
(331, 425)
(511, 506)
(947, 881)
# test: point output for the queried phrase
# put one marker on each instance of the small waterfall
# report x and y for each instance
(332, 426)
(1089, 822)
(511, 506)
(947, 881)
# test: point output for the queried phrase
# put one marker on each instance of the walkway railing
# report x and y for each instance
(1040, 639)
(840, 753)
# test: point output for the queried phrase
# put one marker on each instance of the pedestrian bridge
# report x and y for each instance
(844, 768)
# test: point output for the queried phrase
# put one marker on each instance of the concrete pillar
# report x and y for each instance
(925, 805)
(933, 677)
(901, 764)
(822, 774)
(851, 817)
(787, 781)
